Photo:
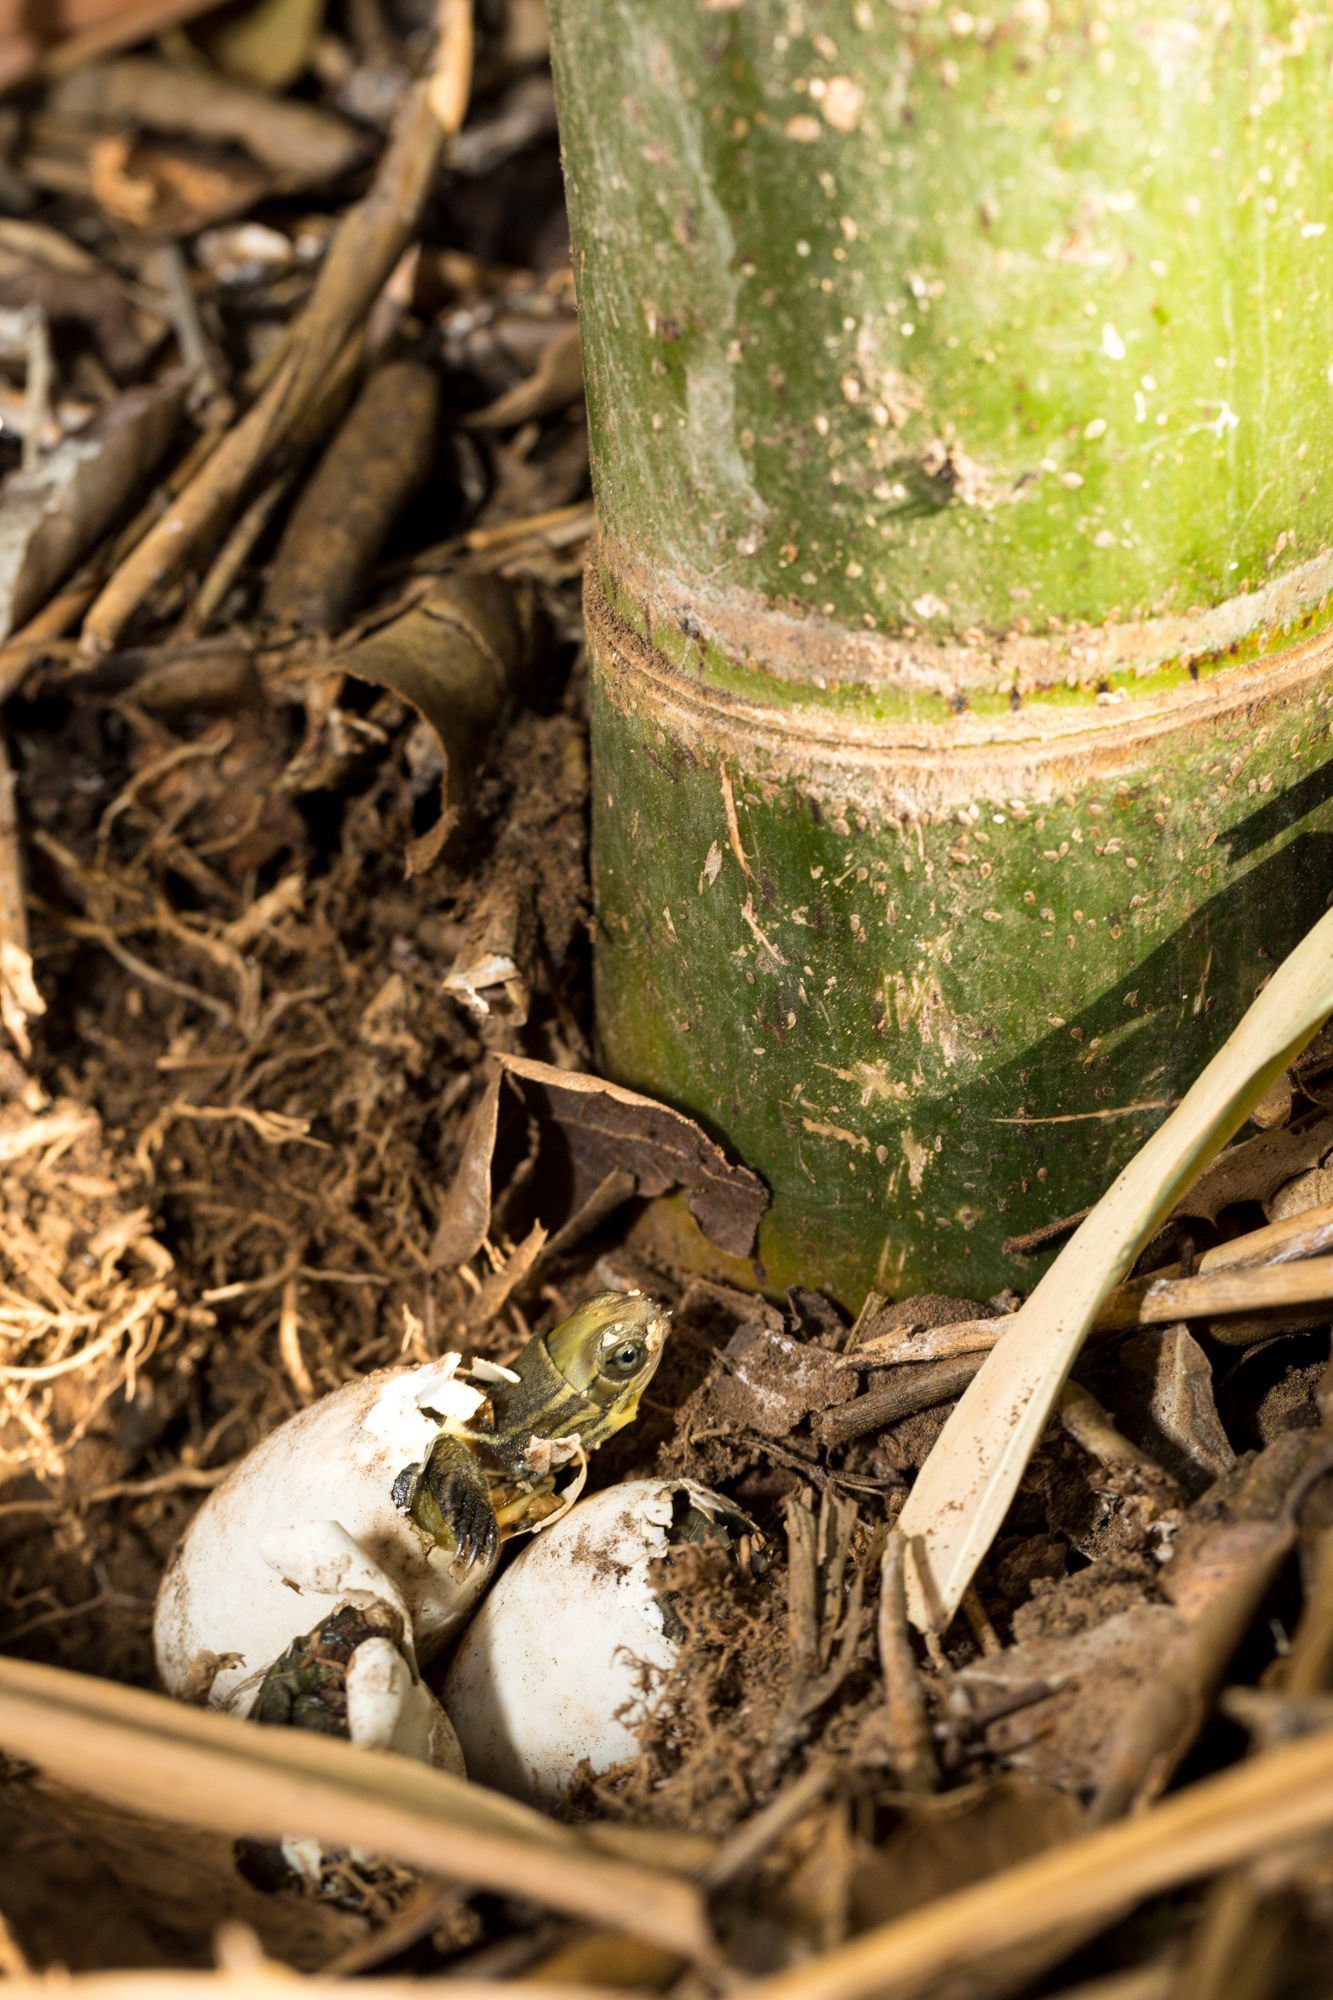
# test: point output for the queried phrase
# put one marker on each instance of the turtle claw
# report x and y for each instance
(472, 1518)
(449, 1499)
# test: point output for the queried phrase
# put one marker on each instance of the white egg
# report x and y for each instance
(557, 1652)
(307, 1522)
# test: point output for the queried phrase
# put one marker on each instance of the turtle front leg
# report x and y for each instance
(449, 1498)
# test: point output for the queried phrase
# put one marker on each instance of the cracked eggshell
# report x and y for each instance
(388, 1708)
(558, 1647)
(245, 1580)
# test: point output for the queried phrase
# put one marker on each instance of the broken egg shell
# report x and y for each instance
(246, 1580)
(388, 1708)
(550, 1672)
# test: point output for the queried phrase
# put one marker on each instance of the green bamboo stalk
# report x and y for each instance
(959, 623)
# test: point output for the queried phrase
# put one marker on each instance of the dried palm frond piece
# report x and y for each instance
(967, 1483)
(151, 1755)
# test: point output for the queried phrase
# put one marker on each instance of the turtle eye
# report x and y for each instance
(624, 1360)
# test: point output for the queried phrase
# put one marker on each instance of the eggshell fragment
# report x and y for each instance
(389, 1709)
(558, 1649)
(306, 1520)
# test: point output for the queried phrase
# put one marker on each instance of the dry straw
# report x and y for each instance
(966, 1485)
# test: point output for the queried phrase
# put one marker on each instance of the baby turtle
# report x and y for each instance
(567, 1393)
(395, 1491)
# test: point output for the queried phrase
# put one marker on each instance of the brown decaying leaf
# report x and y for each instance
(487, 975)
(1000, 1820)
(40, 266)
(555, 383)
(1281, 1796)
(165, 188)
(605, 1128)
(1311, 1189)
(51, 517)
(459, 657)
(380, 457)
(1171, 1410)
(1255, 1169)
(177, 1879)
(1239, 1943)
(1111, 1707)
(62, 34)
(465, 1212)
(267, 43)
(609, 1143)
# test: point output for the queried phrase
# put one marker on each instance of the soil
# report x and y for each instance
(235, 1132)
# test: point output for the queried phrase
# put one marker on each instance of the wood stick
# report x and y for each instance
(1145, 1301)
(906, 1724)
(1266, 1802)
(1262, 1289)
(915, 1389)
(364, 250)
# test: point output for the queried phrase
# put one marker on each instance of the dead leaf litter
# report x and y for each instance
(299, 1080)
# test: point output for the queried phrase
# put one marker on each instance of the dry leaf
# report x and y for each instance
(966, 1485)
(161, 188)
(604, 1128)
(458, 657)
(1066, 1693)
(61, 34)
(1169, 1407)
(1258, 1167)
(41, 267)
(465, 1213)
(1279, 1797)
(555, 1146)
(942, 1844)
(180, 1880)
(266, 44)
(555, 383)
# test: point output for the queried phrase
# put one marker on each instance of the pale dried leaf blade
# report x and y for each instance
(967, 1483)
(275, 1982)
(159, 1757)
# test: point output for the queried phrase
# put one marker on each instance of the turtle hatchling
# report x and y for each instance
(391, 1497)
